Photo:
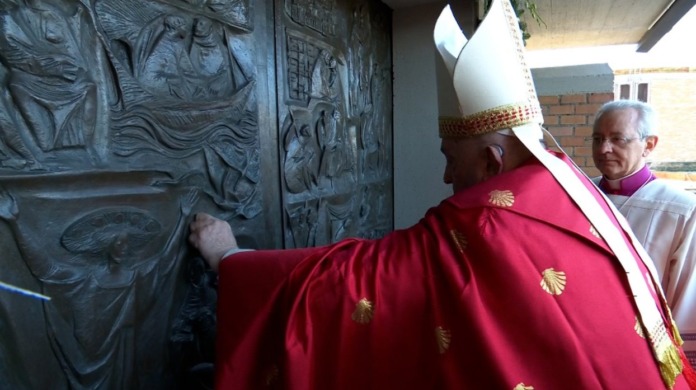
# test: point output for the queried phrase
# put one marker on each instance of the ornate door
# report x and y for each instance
(119, 119)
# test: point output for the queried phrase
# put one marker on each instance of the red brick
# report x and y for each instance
(565, 99)
(583, 131)
(548, 100)
(572, 141)
(573, 119)
(561, 110)
(583, 151)
(587, 108)
(601, 98)
(560, 131)
(551, 119)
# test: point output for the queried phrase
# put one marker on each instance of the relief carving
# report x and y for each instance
(51, 83)
(303, 223)
(374, 211)
(340, 218)
(325, 79)
(373, 138)
(110, 112)
(185, 97)
(337, 134)
(302, 153)
(119, 119)
(107, 269)
(336, 156)
(361, 59)
(318, 15)
(234, 13)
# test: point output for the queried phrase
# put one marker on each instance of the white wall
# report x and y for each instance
(418, 163)
(568, 80)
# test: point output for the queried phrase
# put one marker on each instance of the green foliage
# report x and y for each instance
(520, 6)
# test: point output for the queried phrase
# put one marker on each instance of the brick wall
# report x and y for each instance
(672, 92)
(569, 119)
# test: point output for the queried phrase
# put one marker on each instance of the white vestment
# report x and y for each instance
(663, 218)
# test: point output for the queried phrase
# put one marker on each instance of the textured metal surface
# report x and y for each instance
(120, 119)
(334, 93)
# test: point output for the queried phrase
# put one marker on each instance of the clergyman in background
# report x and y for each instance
(661, 214)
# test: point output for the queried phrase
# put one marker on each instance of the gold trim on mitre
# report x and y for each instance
(492, 82)
(487, 121)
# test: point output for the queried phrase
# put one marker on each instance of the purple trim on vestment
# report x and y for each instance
(629, 184)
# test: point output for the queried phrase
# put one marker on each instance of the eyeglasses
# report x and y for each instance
(615, 141)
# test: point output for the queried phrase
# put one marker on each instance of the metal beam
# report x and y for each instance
(664, 24)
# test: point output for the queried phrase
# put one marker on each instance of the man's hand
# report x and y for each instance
(212, 237)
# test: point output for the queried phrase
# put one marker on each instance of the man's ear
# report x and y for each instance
(650, 144)
(494, 160)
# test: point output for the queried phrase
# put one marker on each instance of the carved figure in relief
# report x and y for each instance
(340, 219)
(105, 269)
(235, 7)
(381, 122)
(208, 56)
(335, 158)
(303, 224)
(301, 159)
(373, 212)
(372, 127)
(364, 211)
(14, 153)
(317, 15)
(49, 81)
(325, 76)
(369, 141)
(161, 59)
(361, 59)
(187, 58)
(233, 12)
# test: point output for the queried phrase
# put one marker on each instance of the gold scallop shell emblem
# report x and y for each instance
(364, 310)
(552, 281)
(639, 328)
(459, 240)
(501, 198)
(522, 386)
(443, 337)
(594, 231)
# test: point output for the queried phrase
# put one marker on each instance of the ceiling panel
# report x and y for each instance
(583, 23)
(589, 23)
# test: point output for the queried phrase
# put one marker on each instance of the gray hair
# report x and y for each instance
(647, 117)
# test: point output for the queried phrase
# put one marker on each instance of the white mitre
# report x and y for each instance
(492, 81)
